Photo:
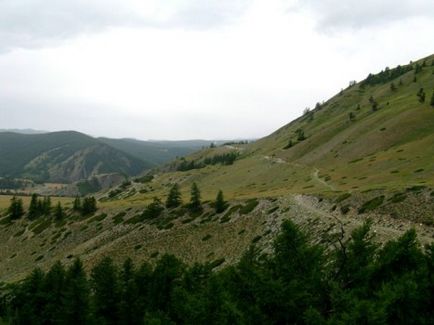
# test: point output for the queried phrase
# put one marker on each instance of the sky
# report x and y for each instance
(193, 69)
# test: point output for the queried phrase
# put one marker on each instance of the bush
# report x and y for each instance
(371, 204)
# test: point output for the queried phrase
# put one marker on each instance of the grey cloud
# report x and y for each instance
(356, 14)
(38, 23)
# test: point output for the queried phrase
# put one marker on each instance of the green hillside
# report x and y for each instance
(376, 134)
(62, 157)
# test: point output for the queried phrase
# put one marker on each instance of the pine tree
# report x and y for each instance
(220, 204)
(89, 206)
(129, 308)
(105, 284)
(16, 209)
(34, 211)
(46, 206)
(195, 202)
(432, 98)
(351, 116)
(421, 95)
(53, 287)
(174, 197)
(76, 296)
(59, 214)
(77, 204)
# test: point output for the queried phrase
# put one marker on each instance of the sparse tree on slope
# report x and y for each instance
(59, 214)
(174, 197)
(16, 209)
(34, 211)
(220, 204)
(195, 202)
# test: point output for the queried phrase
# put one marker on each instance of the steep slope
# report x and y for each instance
(374, 134)
(62, 157)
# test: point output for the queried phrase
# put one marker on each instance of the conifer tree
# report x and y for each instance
(59, 214)
(77, 204)
(174, 197)
(432, 98)
(34, 211)
(89, 206)
(220, 204)
(16, 209)
(76, 296)
(53, 287)
(195, 201)
(129, 308)
(46, 206)
(105, 287)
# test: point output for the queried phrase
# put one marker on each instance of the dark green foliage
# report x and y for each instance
(89, 206)
(392, 86)
(249, 206)
(16, 210)
(358, 282)
(105, 287)
(289, 145)
(195, 204)
(374, 104)
(432, 99)
(351, 116)
(386, 75)
(174, 197)
(371, 204)
(76, 296)
(300, 135)
(225, 159)
(220, 203)
(77, 204)
(153, 210)
(59, 214)
(33, 212)
(421, 95)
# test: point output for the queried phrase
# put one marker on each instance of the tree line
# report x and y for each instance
(356, 282)
(42, 207)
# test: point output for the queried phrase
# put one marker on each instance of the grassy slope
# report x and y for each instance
(390, 148)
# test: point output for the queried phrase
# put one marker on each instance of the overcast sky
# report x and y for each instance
(184, 69)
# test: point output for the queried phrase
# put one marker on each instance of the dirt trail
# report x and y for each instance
(315, 176)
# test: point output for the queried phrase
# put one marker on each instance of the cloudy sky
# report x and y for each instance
(183, 69)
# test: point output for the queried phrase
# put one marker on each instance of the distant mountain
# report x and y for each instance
(24, 131)
(156, 152)
(62, 157)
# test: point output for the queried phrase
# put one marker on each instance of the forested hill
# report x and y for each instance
(62, 157)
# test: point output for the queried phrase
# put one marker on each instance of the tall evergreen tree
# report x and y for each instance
(432, 99)
(59, 214)
(174, 197)
(46, 205)
(105, 287)
(220, 204)
(76, 296)
(195, 200)
(16, 209)
(77, 204)
(33, 208)
(89, 206)
(129, 308)
(53, 287)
